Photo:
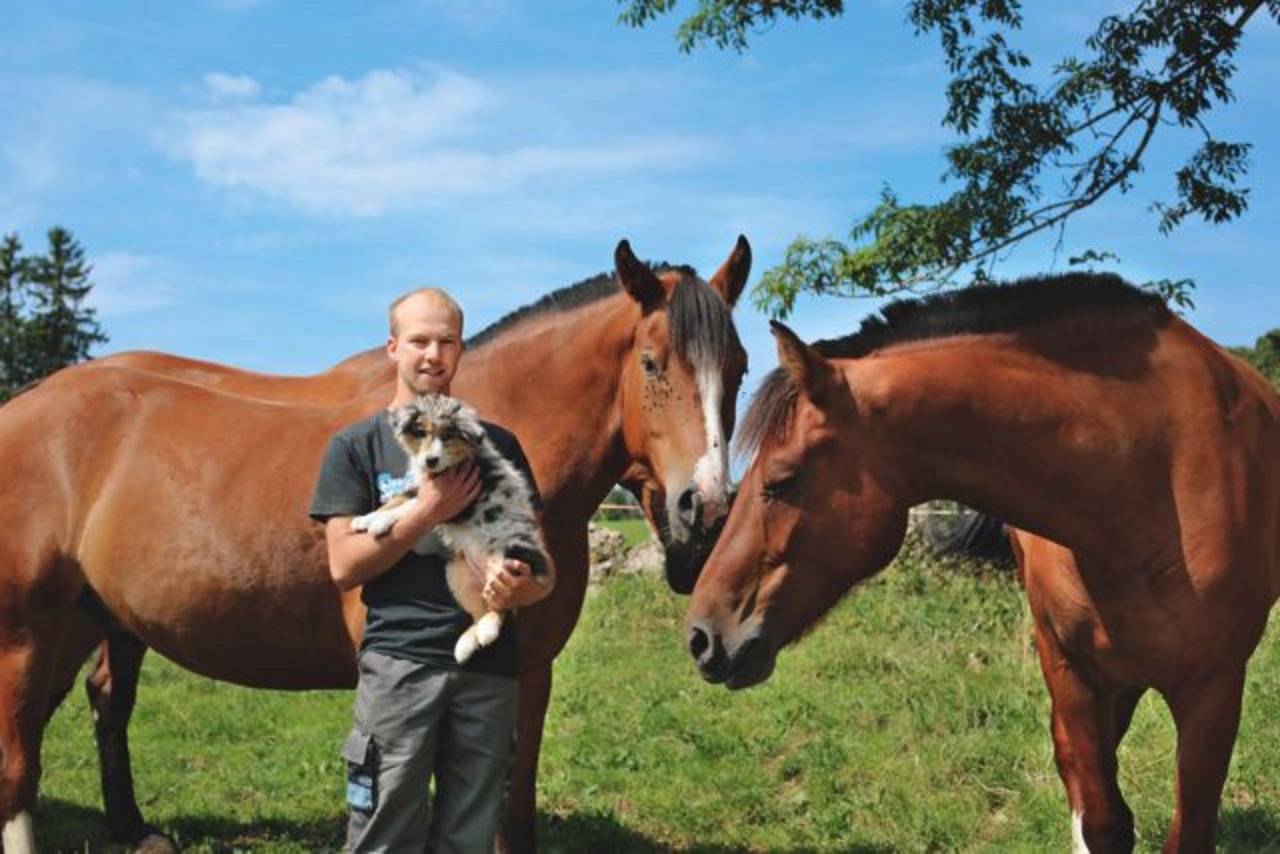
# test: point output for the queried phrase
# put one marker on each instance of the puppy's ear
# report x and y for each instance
(473, 432)
(403, 417)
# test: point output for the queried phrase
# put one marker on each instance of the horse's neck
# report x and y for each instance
(994, 423)
(553, 380)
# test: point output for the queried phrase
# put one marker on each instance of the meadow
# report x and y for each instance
(912, 719)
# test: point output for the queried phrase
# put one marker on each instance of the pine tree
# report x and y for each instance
(62, 328)
(13, 326)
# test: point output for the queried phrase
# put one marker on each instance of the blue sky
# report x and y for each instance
(256, 179)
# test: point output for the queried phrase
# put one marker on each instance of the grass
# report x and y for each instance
(913, 719)
(635, 531)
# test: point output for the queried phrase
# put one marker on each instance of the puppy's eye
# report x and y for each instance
(416, 430)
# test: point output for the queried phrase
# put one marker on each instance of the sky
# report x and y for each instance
(255, 180)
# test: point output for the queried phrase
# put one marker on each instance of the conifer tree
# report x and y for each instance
(62, 328)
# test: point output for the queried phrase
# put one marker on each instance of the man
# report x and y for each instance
(418, 714)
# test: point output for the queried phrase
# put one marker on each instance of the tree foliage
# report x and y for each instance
(1031, 154)
(1264, 355)
(44, 324)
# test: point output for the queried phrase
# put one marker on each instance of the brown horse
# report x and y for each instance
(161, 503)
(1076, 407)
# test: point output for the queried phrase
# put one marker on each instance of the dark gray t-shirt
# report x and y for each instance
(412, 614)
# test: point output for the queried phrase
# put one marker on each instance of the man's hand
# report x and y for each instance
(513, 586)
(445, 495)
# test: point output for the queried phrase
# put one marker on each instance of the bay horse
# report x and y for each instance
(161, 503)
(1142, 457)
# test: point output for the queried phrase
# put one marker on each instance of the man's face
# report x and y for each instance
(425, 348)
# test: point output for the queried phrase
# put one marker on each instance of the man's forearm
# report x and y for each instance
(356, 557)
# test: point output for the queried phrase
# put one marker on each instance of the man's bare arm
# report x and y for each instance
(356, 558)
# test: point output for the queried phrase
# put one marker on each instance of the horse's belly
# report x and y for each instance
(252, 622)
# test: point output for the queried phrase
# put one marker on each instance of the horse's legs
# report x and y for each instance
(1207, 716)
(520, 823)
(113, 690)
(1088, 720)
(28, 649)
(20, 729)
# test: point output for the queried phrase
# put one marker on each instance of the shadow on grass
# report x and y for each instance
(585, 832)
(1251, 829)
(64, 826)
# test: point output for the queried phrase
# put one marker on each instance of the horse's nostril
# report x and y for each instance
(698, 643)
(689, 506)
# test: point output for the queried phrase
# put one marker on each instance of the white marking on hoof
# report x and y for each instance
(156, 843)
(1078, 845)
(19, 838)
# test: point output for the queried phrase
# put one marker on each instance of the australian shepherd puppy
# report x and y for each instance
(439, 432)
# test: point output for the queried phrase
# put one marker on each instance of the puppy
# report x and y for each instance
(439, 432)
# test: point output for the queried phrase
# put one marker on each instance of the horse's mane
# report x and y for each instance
(701, 322)
(978, 310)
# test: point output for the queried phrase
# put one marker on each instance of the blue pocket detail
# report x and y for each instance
(361, 753)
(360, 792)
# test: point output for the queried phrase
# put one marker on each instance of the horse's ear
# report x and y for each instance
(732, 275)
(637, 279)
(808, 368)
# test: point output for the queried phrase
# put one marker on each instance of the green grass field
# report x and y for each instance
(635, 531)
(913, 719)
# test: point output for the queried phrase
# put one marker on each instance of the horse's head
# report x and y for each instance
(816, 512)
(678, 390)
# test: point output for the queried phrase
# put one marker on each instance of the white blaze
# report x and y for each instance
(711, 472)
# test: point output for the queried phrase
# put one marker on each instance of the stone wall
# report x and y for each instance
(610, 555)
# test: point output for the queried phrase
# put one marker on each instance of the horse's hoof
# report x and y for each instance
(155, 842)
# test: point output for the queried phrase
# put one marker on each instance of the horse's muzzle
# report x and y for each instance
(747, 663)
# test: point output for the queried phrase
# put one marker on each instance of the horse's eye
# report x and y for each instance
(650, 366)
(774, 489)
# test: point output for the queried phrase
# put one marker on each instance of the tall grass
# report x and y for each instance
(913, 719)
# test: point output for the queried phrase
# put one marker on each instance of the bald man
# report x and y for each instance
(420, 715)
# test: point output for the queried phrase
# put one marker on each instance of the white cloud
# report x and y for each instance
(396, 140)
(222, 86)
(124, 283)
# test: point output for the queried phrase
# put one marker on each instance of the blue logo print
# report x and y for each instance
(390, 486)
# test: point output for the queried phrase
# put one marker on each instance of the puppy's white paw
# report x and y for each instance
(487, 628)
(466, 646)
(382, 524)
(361, 523)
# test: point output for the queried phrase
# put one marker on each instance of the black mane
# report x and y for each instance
(986, 309)
(978, 310)
(701, 322)
(597, 287)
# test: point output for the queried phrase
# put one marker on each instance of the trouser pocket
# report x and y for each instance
(361, 753)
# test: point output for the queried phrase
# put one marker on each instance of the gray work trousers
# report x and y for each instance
(412, 722)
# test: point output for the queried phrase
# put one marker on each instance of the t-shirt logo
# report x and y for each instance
(389, 486)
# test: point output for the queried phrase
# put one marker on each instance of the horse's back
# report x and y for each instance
(185, 509)
(353, 377)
